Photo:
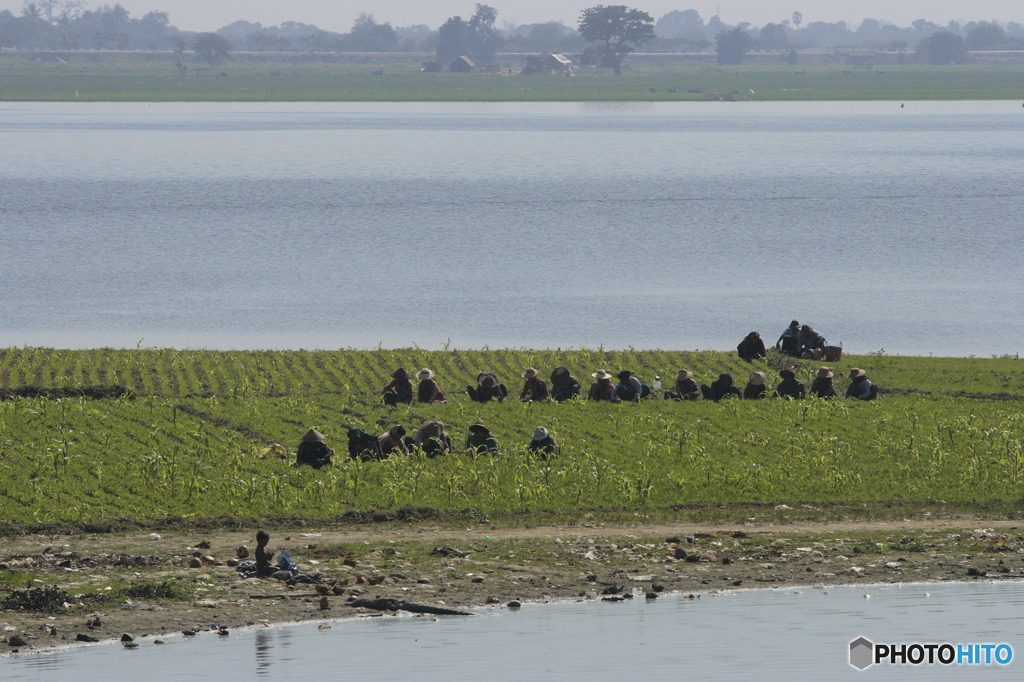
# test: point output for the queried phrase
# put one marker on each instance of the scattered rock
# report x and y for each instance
(976, 573)
(85, 638)
(514, 604)
(679, 553)
(651, 596)
(448, 551)
(195, 562)
(17, 640)
(205, 544)
(242, 552)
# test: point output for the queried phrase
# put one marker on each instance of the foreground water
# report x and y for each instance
(795, 634)
(671, 225)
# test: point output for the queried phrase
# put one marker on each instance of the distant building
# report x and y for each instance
(547, 63)
(431, 67)
(462, 64)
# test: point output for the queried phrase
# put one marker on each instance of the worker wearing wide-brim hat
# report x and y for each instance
(480, 440)
(535, 389)
(603, 388)
(822, 386)
(313, 451)
(755, 387)
(542, 443)
(428, 390)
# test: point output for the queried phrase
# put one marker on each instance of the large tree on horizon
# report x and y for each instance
(618, 30)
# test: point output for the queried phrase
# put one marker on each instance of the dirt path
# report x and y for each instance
(476, 566)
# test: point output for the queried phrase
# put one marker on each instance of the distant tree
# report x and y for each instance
(212, 48)
(452, 39)
(618, 30)
(986, 36)
(484, 39)
(798, 18)
(680, 24)
(732, 45)
(477, 38)
(369, 36)
(773, 37)
(943, 48)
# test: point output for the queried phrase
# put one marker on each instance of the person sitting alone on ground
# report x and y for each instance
(432, 438)
(480, 441)
(535, 389)
(393, 440)
(400, 388)
(542, 443)
(789, 342)
(752, 348)
(860, 386)
(564, 385)
(487, 387)
(685, 388)
(629, 388)
(264, 568)
(722, 387)
(822, 386)
(812, 344)
(789, 387)
(313, 450)
(755, 387)
(428, 391)
(603, 388)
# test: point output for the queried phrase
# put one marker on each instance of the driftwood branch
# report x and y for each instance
(399, 605)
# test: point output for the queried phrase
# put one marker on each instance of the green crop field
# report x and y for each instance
(186, 437)
(648, 78)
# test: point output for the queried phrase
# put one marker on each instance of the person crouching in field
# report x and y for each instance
(603, 388)
(755, 387)
(428, 391)
(860, 386)
(393, 440)
(535, 389)
(313, 450)
(432, 439)
(629, 388)
(400, 388)
(789, 387)
(542, 443)
(722, 387)
(685, 388)
(487, 388)
(789, 341)
(564, 385)
(822, 386)
(752, 348)
(480, 441)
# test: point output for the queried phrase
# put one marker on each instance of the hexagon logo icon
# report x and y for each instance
(862, 653)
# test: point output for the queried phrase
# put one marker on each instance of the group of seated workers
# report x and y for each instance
(431, 438)
(627, 388)
(798, 341)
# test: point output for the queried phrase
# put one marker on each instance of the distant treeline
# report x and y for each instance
(67, 25)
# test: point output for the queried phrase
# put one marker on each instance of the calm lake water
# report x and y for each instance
(801, 634)
(670, 225)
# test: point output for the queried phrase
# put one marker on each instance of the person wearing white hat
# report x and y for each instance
(755, 387)
(685, 388)
(428, 391)
(542, 443)
(603, 388)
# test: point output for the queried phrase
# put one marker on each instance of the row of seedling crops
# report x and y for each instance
(154, 457)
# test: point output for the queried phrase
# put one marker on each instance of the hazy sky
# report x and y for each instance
(335, 15)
